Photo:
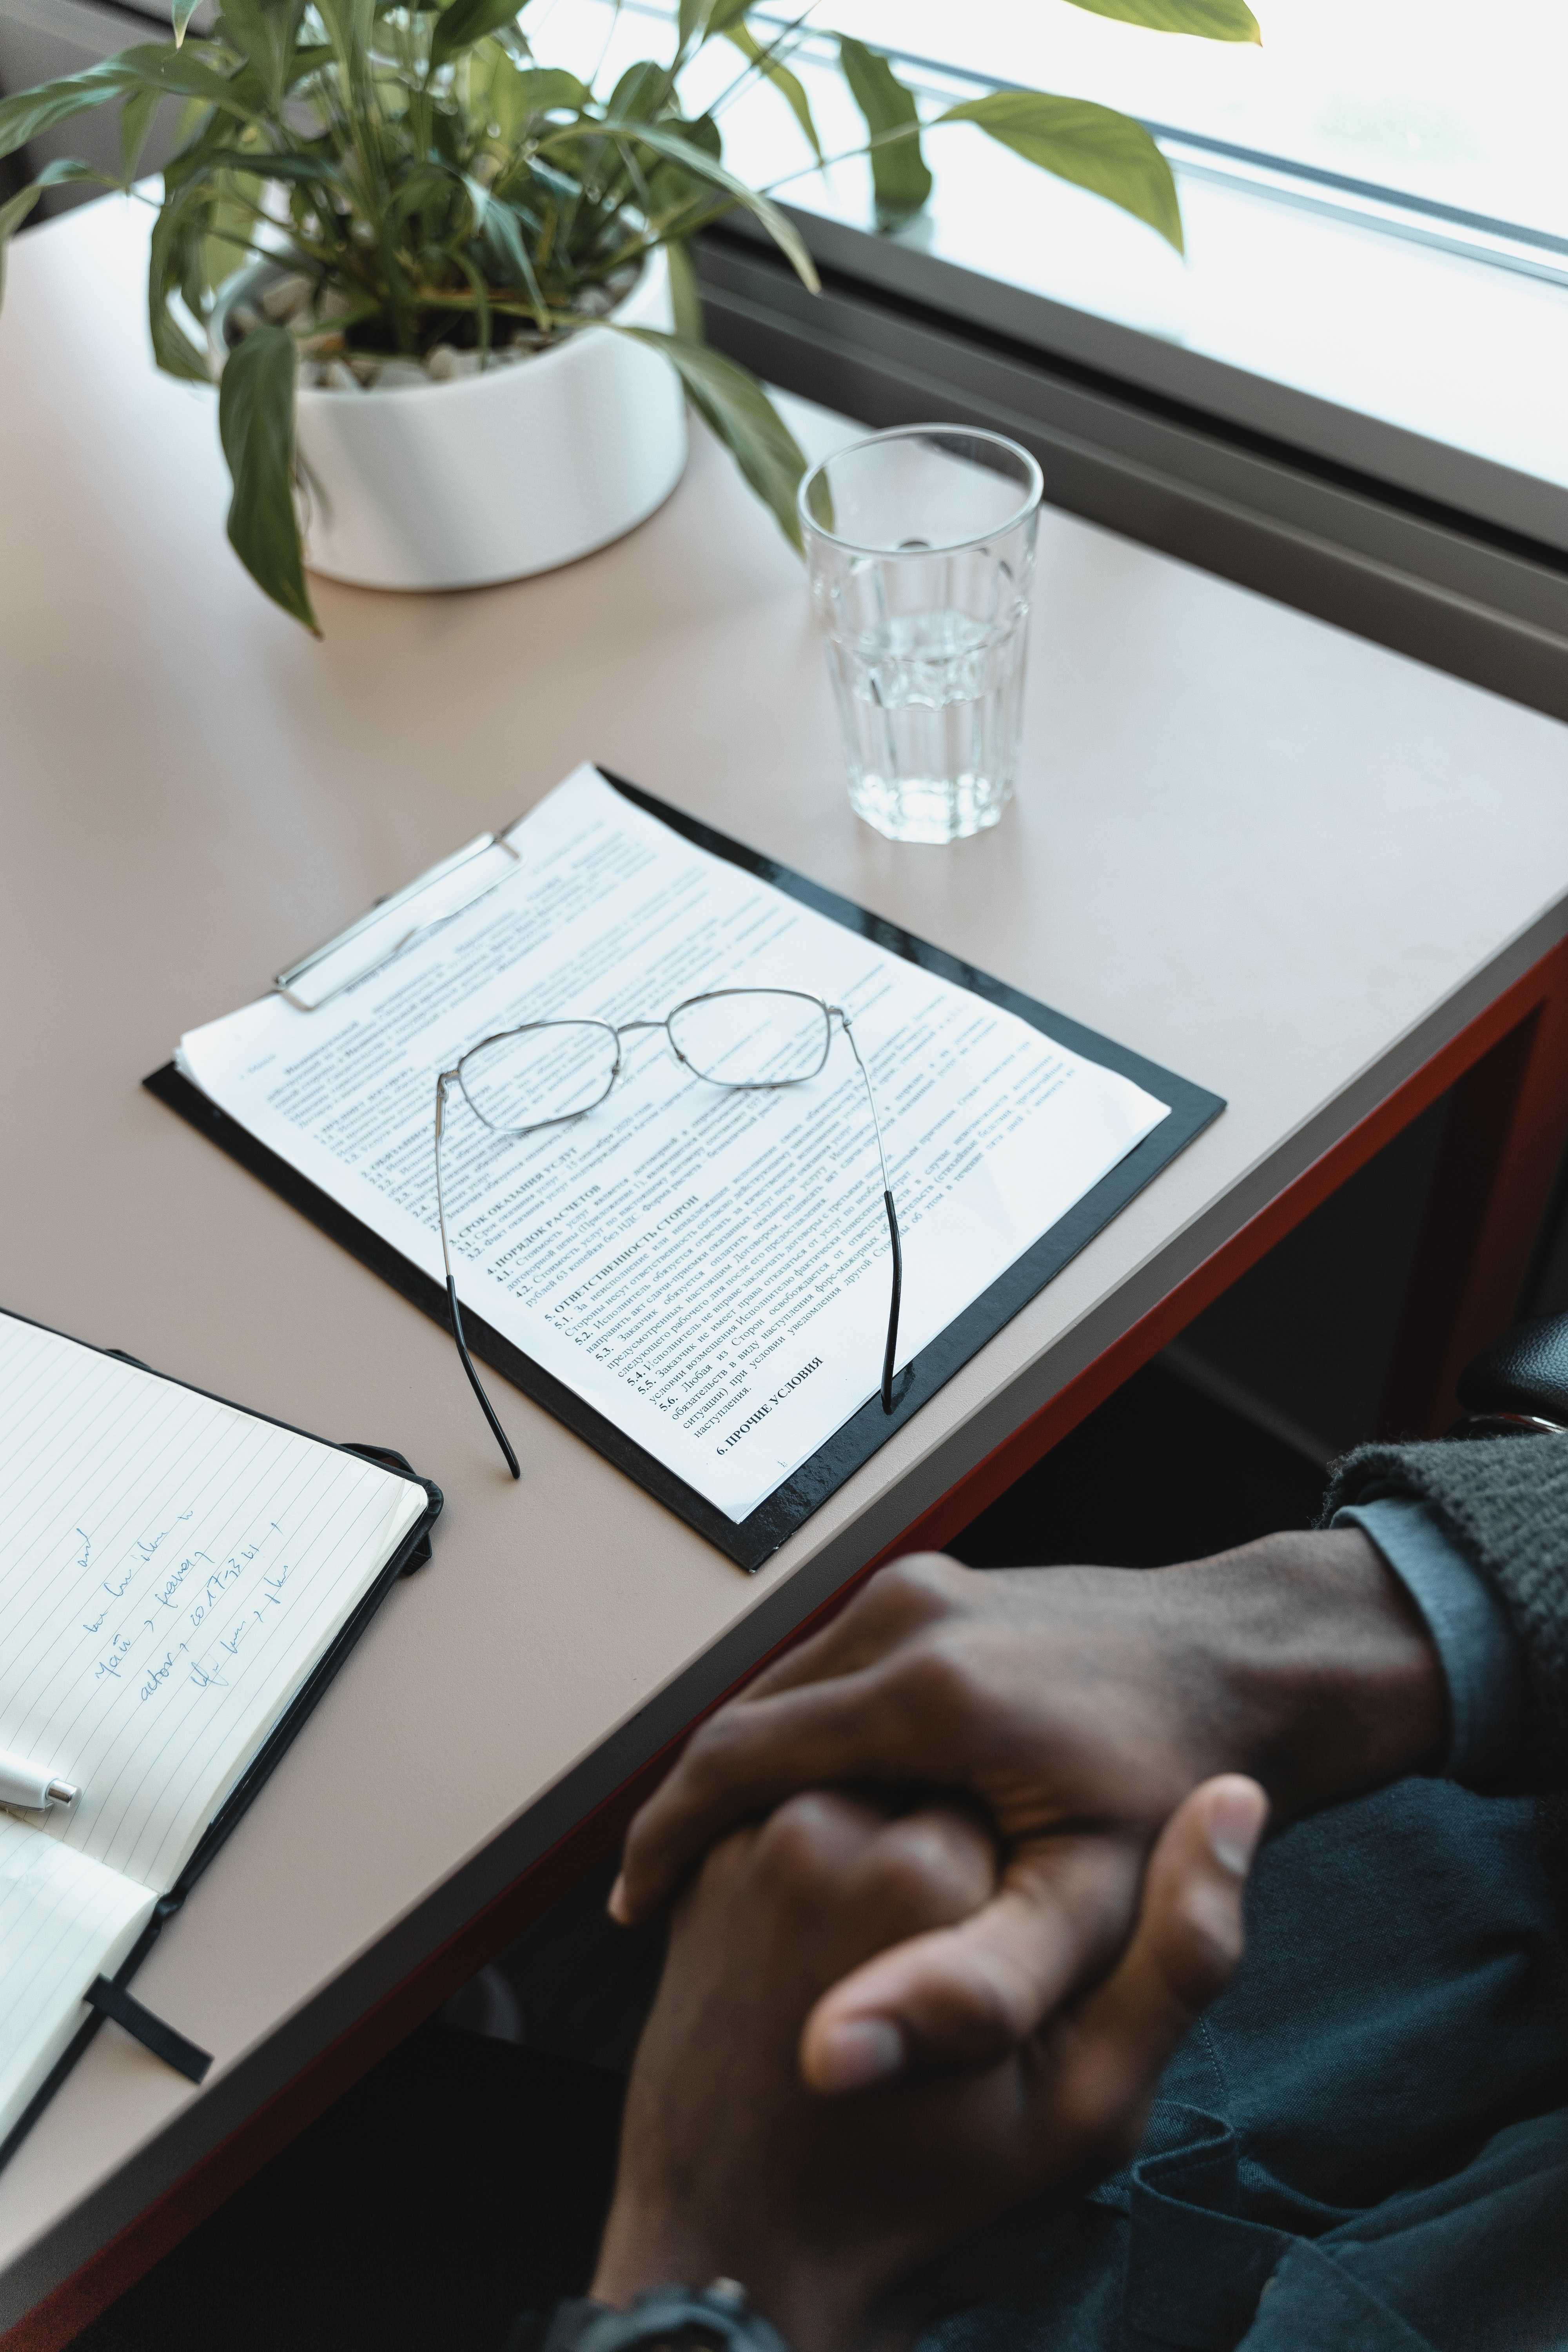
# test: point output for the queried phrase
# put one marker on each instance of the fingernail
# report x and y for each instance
(616, 1905)
(1235, 1819)
(860, 2051)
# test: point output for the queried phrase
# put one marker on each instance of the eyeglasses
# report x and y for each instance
(549, 1073)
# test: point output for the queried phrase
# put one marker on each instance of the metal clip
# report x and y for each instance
(385, 933)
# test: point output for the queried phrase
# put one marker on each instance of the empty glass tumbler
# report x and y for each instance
(921, 546)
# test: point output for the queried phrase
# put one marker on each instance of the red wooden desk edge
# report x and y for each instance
(1510, 1066)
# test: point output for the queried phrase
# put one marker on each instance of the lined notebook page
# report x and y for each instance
(63, 1921)
(170, 1571)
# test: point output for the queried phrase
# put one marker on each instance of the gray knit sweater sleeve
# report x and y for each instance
(1503, 1502)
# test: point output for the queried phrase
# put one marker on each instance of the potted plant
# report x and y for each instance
(446, 285)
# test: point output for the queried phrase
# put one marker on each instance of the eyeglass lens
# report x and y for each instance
(751, 1036)
(551, 1070)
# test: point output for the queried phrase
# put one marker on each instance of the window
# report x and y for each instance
(1375, 204)
(1435, 100)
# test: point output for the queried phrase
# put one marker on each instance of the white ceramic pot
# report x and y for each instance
(489, 477)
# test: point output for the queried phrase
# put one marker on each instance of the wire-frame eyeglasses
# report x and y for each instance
(549, 1073)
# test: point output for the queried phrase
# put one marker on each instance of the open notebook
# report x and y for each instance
(176, 1579)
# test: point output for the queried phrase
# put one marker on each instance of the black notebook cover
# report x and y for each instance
(752, 1541)
(412, 1553)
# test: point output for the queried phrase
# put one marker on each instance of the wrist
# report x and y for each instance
(1326, 1681)
(668, 2317)
(815, 2306)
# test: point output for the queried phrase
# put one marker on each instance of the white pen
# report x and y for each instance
(34, 1791)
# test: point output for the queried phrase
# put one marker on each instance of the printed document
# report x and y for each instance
(709, 1268)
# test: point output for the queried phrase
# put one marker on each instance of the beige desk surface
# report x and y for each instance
(1286, 863)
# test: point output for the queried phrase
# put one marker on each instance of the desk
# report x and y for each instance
(1309, 874)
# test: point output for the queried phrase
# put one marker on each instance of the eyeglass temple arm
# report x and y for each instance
(467, 1361)
(892, 1346)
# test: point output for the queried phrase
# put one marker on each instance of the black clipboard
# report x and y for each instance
(749, 1542)
(412, 1553)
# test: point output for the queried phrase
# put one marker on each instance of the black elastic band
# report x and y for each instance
(114, 2001)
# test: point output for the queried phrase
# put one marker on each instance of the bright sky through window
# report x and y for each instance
(1437, 98)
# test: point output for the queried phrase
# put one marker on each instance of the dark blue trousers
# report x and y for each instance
(1363, 2147)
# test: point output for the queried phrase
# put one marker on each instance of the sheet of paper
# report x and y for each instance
(170, 1571)
(709, 1268)
(64, 1920)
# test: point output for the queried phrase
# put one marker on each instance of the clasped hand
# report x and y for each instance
(1077, 1708)
(835, 2215)
(997, 1942)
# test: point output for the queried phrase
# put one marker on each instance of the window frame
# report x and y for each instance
(1427, 545)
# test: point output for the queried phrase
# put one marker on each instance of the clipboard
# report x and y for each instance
(111, 1997)
(752, 1541)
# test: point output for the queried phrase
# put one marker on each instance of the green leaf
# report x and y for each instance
(1209, 20)
(449, 136)
(667, 190)
(464, 21)
(203, 131)
(225, 243)
(181, 224)
(501, 232)
(787, 85)
(745, 420)
(1106, 152)
(135, 122)
(510, 95)
(178, 73)
(255, 425)
(265, 33)
(699, 20)
(899, 180)
(184, 11)
(306, 59)
(347, 24)
(481, 293)
(428, 187)
(16, 210)
(783, 231)
(261, 165)
(641, 94)
(156, 66)
(685, 301)
(32, 110)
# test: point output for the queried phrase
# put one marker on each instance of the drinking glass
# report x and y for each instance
(921, 548)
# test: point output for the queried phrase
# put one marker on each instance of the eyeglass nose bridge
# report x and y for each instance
(621, 1029)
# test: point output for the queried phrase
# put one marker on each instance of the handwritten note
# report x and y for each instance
(170, 1570)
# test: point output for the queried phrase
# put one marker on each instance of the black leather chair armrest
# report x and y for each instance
(1519, 1384)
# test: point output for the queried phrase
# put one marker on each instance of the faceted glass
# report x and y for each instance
(920, 547)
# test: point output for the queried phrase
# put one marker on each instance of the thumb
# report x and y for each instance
(1109, 2052)
(967, 1995)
